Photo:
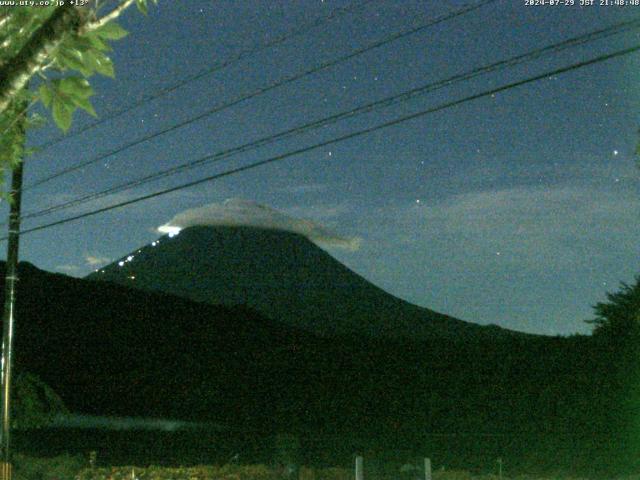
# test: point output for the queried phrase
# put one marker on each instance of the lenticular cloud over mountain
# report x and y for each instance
(237, 213)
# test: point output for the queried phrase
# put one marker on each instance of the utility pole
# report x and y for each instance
(11, 280)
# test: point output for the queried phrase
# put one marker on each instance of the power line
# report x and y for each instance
(302, 30)
(388, 101)
(333, 141)
(263, 90)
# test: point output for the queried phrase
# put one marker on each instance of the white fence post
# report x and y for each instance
(427, 469)
(359, 471)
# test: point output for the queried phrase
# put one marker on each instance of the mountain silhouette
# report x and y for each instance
(285, 277)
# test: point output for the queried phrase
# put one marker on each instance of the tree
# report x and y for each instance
(63, 45)
(615, 347)
(619, 318)
(60, 47)
(36, 404)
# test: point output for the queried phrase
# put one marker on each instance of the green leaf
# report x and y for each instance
(45, 94)
(103, 64)
(142, 6)
(80, 43)
(99, 62)
(74, 59)
(76, 87)
(85, 104)
(97, 42)
(62, 113)
(111, 31)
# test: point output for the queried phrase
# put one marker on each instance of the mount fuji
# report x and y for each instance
(257, 257)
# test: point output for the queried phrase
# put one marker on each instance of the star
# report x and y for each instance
(615, 152)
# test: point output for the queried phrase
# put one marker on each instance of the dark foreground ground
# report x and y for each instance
(520, 454)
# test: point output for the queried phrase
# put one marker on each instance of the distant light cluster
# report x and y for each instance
(126, 260)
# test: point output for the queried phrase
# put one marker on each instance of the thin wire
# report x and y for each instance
(405, 96)
(260, 91)
(342, 138)
(214, 68)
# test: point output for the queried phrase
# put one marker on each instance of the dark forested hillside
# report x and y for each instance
(111, 350)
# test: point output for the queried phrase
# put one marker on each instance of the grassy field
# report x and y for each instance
(76, 468)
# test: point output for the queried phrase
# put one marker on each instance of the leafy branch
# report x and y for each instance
(59, 48)
(62, 39)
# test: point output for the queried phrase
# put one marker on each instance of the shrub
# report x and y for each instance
(63, 467)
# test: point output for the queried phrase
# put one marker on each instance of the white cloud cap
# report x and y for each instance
(236, 213)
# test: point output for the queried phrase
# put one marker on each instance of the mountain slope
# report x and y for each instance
(112, 350)
(107, 349)
(285, 277)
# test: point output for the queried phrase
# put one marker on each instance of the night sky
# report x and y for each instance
(520, 209)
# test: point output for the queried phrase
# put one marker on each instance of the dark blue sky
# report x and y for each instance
(520, 209)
